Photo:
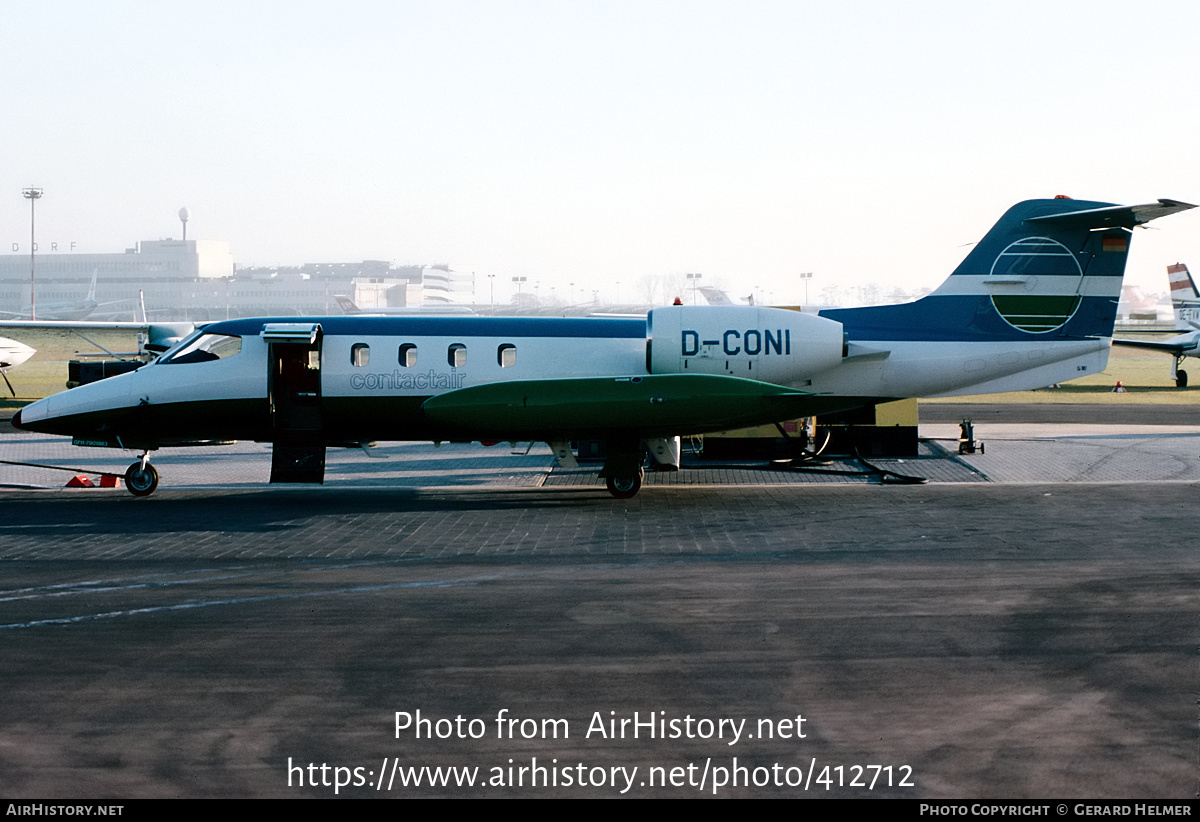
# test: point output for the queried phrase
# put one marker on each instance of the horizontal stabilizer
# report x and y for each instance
(1113, 216)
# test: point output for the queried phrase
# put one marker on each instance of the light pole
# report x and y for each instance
(492, 291)
(806, 276)
(32, 195)
(695, 284)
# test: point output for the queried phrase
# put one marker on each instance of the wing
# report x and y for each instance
(1181, 346)
(159, 336)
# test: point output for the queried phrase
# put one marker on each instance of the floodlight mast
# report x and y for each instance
(32, 194)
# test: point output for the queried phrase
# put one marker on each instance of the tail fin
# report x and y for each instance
(347, 305)
(1056, 265)
(1047, 268)
(1185, 299)
(714, 296)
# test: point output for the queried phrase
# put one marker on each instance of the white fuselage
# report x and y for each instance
(378, 380)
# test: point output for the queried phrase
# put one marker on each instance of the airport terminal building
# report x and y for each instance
(197, 280)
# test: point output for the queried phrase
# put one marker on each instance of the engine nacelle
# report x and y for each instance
(766, 344)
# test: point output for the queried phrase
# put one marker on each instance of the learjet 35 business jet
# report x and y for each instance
(1033, 303)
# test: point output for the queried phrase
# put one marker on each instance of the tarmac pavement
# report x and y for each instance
(1026, 631)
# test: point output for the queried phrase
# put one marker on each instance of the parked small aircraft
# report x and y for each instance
(1186, 301)
(154, 339)
(12, 354)
(1033, 303)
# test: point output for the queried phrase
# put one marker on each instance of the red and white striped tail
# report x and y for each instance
(1182, 285)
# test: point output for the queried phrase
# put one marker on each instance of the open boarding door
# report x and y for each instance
(294, 390)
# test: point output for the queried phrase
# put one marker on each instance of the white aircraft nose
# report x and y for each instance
(78, 409)
(13, 353)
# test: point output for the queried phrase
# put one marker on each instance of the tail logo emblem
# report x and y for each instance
(1051, 272)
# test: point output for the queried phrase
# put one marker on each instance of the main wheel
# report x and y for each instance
(1180, 378)
(624, 487)
(140, 481)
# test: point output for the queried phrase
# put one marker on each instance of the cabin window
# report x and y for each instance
(203, 348)
(408, 355)
(457, 355)
(506, 355)
(360, 355)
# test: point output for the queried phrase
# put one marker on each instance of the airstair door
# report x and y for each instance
(294, 390)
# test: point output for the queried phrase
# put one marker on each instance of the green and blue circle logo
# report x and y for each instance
(1051, 277)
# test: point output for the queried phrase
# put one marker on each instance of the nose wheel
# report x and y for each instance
(141, 478)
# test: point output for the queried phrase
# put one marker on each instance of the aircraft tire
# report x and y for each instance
(624, 487)
(141, 483)
(1180, 379)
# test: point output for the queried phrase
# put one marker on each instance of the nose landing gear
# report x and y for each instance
(141, 478)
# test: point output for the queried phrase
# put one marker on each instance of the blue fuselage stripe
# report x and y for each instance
(936, 318)
(515, 327)
(964, 318)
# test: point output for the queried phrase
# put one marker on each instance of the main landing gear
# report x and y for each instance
(141, 478)
(623, 469)
(625, 487)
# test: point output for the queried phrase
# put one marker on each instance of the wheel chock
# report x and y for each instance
(110, 481)
(79, 481)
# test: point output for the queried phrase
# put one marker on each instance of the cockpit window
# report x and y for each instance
(203, 348)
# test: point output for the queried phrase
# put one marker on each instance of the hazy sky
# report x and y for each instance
(597, 142)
